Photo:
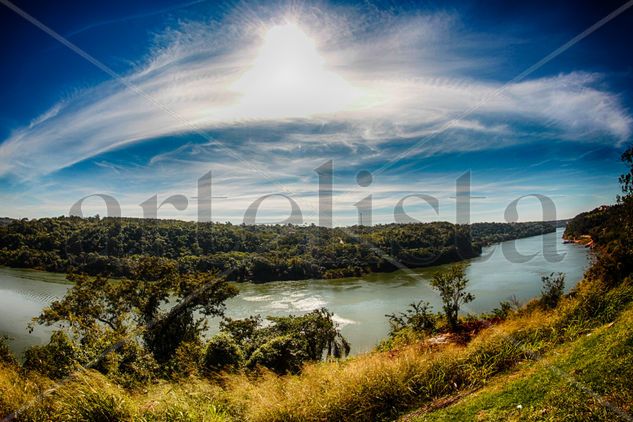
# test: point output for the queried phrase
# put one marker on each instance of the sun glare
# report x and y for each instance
(289, 78)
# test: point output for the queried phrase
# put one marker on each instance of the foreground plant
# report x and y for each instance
(451, 284)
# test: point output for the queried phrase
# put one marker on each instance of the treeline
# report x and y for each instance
(592, 223)
(112, 246)
(611, 229)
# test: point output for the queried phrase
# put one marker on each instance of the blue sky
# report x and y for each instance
(261, 94)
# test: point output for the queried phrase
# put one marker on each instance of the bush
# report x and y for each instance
(222, 353)
(553, 288)
(299, 339)
(5, 354)
(506, 308)
(418, 317)
(187, 360)
(281, 354)
(56, 360)
(129, 365)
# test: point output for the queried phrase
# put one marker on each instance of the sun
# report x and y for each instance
(289, 78)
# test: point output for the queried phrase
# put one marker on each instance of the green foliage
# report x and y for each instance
(242, 330)
(506, 308)
(112, 246)
(588, 223)
(282, 346)
(5, 354)
(417, 317)
(553, 288)
(281, 354)
(223, 352)
(57, 359)
(317, 331)
(187, 360)
(626, 180)
(451, 284)
(488, 233)
(611, 229)
(128, 328)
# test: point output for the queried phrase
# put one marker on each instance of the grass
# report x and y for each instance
(381, 386)
(589, 379)
(509, 364)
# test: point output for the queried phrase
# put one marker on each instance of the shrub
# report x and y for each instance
(5, 354)
(552, 291)
(222, 353)
(281, 354)
(418, 317)
(56, 360)
(309, 337)
(187, 360)
(506, 308)
(129, 365)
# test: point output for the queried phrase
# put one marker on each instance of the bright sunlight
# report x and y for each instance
(289, 78)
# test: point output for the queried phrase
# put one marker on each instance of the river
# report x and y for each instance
(359, 304)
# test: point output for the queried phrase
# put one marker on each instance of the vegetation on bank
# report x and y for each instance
(375, 386)
(112, 246)
(586, 379)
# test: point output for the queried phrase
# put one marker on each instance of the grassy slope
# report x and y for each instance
(588, 379)
(510, 363)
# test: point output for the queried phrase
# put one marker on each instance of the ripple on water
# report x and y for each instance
(342, 322)
(262, 298)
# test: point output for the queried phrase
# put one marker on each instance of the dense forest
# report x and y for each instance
(111, 246)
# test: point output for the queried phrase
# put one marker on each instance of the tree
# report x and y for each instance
(112, 246)
(626, 179)
(284, 345)
(451, 284)
(317, 330)
(125, 320)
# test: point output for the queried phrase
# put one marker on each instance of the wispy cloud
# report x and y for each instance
(395, 63)
(378, 83)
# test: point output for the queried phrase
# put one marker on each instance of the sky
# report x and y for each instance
(142, 99)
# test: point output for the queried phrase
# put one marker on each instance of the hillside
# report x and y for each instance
(586, 379)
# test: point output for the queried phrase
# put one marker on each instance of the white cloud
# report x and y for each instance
(409, 72)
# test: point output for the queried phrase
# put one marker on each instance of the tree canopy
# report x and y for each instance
(113, 246)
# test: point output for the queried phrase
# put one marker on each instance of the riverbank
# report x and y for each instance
(358, 303)
(510, 364)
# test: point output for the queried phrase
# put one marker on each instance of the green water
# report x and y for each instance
(359, 304)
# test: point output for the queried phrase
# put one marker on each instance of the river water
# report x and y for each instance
(359, 303)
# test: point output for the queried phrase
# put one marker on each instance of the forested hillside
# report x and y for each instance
(261, 253)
